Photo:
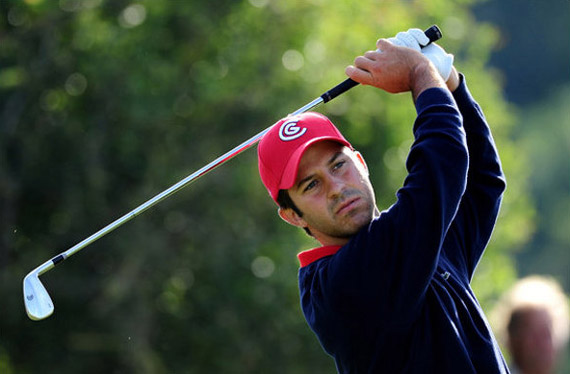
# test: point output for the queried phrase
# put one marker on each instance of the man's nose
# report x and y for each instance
(335, 186)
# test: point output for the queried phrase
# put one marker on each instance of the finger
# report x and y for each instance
(419, 35)
(396, 41)
(383, 45)
(371, 55)
(364, 63)
(358, 75)
(407, 40)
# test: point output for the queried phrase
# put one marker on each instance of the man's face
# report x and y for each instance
(532, 344)
(333, 191)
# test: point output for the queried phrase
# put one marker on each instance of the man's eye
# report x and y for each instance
(310, 186)
(338, 165)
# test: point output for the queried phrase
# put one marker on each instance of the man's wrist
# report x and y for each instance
(423, 77)
(453, 81)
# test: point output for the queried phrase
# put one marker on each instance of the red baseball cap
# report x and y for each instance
(281, 148)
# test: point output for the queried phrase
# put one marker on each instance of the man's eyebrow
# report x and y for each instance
(334, 157)
(304, 180)
(309, 177)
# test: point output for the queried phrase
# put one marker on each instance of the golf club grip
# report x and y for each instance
(433, 33)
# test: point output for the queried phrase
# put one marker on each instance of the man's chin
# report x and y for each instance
(360, 218)
(355, 226)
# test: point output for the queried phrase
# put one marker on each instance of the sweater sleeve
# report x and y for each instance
(385, 270)
(477, 214)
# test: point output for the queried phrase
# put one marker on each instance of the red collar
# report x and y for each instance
(312, 255)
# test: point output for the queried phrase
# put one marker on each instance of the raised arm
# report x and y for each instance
(485, 184)
(386, 269)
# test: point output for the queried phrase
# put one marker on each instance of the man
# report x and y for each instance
(389, 292)
(534, 322)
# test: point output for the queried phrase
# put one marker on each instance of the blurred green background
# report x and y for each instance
(104, 104)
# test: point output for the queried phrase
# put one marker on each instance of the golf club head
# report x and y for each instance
(36, 299)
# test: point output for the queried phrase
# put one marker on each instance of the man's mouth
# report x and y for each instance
(347, 205)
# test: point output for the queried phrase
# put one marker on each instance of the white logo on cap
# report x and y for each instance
(290, 131)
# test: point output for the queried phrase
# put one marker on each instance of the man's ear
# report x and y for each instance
(362, 162)
(291, 217)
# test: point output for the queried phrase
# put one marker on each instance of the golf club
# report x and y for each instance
(36, 298)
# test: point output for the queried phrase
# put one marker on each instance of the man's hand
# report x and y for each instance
(395, 69)
(415, 39)
(443, 61)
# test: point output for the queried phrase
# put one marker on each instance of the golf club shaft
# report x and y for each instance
(165, 194)
(433, 33)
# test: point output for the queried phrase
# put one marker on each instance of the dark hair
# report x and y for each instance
(285, 202)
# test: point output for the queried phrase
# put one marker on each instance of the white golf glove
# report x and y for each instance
(415, 38)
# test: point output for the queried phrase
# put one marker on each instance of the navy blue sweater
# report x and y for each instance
(396, 298)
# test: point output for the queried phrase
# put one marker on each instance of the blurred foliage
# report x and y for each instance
(104, 104)
(539, 84)
(544, 132)
(532, 50)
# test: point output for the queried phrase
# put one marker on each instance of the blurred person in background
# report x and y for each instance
(533, 320)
